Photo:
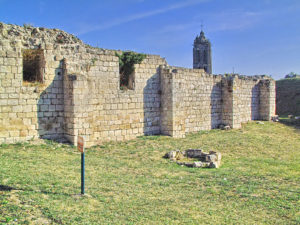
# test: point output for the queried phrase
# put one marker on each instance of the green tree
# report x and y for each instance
(126, 63)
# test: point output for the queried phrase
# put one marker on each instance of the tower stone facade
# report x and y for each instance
(202, 53)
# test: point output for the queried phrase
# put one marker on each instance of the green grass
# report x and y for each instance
(130, 182)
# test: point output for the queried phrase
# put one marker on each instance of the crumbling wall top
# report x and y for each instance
(33, 37)
(11, 31)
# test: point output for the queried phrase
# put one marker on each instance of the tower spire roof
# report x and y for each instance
(202, 32)
(202, 36)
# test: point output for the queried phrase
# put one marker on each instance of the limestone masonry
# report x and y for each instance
(54, 86)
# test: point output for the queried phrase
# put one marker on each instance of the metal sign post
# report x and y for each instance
(80, 146)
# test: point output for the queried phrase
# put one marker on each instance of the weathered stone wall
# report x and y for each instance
(267, 96)
(245, 100)
(201, 101)
(196, 99)
(227, 101)
(166, 115)
(29, 110)
(80, 93)
(101, 111)
(288, 96)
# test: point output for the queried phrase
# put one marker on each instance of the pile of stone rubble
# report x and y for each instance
(202, 159)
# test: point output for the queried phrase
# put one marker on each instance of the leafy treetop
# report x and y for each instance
(126, 62)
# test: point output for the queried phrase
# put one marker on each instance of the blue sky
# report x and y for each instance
(251, 36)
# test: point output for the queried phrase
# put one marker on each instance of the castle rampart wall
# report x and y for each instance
(30, 110)
(288, 96)
(79, 93)
(103, 111)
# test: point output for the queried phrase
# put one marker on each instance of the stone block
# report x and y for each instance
(12, 54)
(14, 133)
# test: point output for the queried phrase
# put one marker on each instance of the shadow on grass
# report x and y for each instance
(295, 123)
(9, 188)
(6, 188)
(61, 140)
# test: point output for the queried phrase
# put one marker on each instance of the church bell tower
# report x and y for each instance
(202, 53)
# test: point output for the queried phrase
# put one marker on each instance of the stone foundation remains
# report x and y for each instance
(200, 159)
(54, 86)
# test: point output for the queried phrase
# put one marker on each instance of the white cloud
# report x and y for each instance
(139, 16)
(235, 20)
(180, 27)
(232, 20)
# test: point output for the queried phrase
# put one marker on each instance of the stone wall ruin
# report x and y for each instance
(76, 91)
(288, 96)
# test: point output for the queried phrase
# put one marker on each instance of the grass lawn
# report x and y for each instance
(130, 182)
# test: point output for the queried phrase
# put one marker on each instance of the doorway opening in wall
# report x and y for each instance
(33, 66)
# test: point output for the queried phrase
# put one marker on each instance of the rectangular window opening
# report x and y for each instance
(127, 60)
(33, 65)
